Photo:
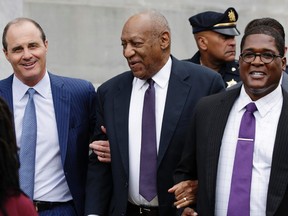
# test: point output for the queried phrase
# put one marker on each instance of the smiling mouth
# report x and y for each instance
(257, 74)
(134, 65)
(29, 65)
(133, 62)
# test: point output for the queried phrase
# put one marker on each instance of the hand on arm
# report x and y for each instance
(102, 148)
(185, 193)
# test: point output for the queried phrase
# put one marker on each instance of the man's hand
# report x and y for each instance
(189, 212)
(185, 193)
(101, 148)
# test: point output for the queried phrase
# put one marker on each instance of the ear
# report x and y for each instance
(284, 64)
(46, 45)
(6, 54)
(165, 40)
(202, 42)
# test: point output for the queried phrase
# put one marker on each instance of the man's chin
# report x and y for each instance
(138, 74)
(230, 58)
(261, 91)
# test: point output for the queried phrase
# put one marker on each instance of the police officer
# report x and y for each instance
(215, 34)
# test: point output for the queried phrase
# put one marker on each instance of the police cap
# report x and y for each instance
(223, 23)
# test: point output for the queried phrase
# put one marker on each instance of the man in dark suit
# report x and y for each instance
(211, 145)
(65, 113)
(214, 35)
(113, 189)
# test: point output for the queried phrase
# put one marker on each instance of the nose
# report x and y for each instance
(128, 51)
(27, 54)
(232, 41)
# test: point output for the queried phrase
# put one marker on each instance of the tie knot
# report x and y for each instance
(150, 81)
(31, 92)
(251, 107)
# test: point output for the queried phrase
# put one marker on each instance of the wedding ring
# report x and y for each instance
(185, 199)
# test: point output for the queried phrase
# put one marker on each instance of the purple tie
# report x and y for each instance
(148, 160)
(239, 200)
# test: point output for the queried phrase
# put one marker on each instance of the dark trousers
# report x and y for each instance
(134, 210)
(63, 209)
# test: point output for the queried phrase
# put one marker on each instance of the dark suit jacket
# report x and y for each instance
(74, 105)
(200, 160)
(107, 184)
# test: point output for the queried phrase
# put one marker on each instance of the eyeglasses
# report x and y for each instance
(266, 58)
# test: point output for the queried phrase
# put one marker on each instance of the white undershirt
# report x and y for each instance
(267, 117)
(50, 182)
(161, 80)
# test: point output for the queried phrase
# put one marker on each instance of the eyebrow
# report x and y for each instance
(16, 48)
(21, 47)
(262, 50)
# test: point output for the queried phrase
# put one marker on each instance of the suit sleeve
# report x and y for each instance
(217, 85)
(187, 167)
(99, 177)
(92, 108)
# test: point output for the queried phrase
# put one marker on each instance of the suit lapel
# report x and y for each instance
(6, 91)
(61, 100)
(285, 81)
(279, 175)
(216, 129)
(121, 115)
(177, 93)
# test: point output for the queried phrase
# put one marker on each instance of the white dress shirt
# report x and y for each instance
(267, 117)
(50, 182)
(161, 80)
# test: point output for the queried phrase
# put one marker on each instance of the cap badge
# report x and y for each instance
(231, 16)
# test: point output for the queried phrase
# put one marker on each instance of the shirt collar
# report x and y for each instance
(161, 78)
(42, 87)
(264, 104)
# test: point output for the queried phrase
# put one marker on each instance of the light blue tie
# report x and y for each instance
(28, 147)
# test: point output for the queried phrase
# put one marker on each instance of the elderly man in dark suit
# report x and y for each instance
(115, 189)
(213, 146)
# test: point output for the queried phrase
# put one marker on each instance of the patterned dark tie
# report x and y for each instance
(239, 200)
(148, 160)
(28, 147)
